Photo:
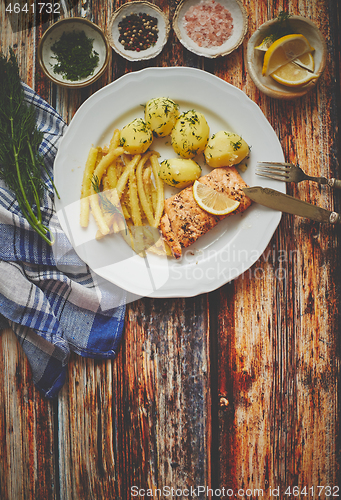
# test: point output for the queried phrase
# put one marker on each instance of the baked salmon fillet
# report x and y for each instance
(184, 221)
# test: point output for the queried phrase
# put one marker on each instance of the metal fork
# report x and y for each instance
(288, 172)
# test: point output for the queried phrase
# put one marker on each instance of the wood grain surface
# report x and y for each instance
(237, 390)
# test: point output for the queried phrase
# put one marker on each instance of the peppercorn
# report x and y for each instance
(138, 31)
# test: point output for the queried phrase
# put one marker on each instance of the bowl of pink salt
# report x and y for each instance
(210, 28)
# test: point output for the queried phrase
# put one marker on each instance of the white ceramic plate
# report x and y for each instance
(223, 253)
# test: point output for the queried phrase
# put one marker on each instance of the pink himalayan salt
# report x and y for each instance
(208, 23)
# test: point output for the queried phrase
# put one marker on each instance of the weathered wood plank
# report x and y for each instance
(87, 464)
(164, 395)
(27, 462)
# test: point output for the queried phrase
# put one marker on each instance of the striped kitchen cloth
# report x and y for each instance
(52, 301)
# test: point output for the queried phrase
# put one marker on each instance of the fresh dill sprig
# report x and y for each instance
(20, 160)
(107, 206)
(279, 28)
(95, 184)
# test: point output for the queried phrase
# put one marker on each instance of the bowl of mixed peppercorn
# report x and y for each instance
(73, 52)
(138, 30)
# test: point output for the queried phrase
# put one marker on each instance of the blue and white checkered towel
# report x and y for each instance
(53, 307)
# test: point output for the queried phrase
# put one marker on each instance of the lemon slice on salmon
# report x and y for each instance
(213, 201)
(283, 51)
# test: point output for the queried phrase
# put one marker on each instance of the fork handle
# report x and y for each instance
(334, 183)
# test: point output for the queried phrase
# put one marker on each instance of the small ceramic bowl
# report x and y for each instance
(268, 85)
(113, 32)
(240, 22)
(46, 56)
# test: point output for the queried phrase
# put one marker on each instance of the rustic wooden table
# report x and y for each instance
(237, 390)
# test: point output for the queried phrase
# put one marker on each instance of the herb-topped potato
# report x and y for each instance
(190, 134)
(161, 114)
(136, 137)
(179, 172)
(225, 149)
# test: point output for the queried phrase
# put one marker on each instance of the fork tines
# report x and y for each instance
(269, 163)
(273, 170)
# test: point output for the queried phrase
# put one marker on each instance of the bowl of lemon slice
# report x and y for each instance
(286, 56)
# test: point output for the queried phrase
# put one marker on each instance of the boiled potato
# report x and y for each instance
(190, 134)
(136, 137)
(161, 114)
(225, 149)
(179, 172)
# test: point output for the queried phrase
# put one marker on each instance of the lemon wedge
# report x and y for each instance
(292, 75)
(264, 45)
(212, 201)
(306, 61)
(283, 51)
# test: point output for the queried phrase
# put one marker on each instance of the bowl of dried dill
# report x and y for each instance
(73, 52)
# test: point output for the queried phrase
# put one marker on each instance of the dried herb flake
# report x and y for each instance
(75, 55)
